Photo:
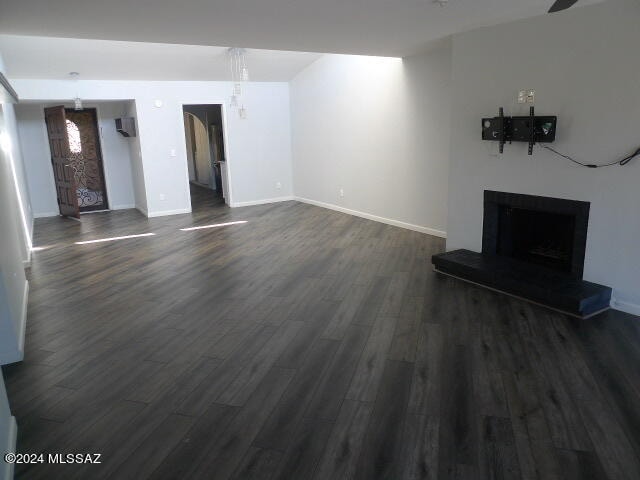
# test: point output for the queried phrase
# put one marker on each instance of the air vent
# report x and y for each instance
(126, 126)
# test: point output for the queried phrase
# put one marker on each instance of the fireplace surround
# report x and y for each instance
(533, 248)
(550, 232)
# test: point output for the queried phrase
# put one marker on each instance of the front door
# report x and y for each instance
(63, 173)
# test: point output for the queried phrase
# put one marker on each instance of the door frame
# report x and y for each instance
(193, 119)
(228, 194)
(99, 151)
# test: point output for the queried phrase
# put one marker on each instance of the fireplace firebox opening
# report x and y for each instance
(545, 231)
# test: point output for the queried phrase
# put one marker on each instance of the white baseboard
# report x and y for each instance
(12, 436)
(27, 262)
(627, 307)
(22, 328)
(46, 214)
(261, 202)
(375, 218)
(164, 213)
(123, 207)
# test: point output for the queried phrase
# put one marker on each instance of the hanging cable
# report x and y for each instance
(622, 162)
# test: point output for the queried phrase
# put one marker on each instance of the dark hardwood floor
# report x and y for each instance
(306, 344)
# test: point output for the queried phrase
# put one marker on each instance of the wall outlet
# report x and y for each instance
(163, 196)
(172, 152)
(278, 186)
(341, 192)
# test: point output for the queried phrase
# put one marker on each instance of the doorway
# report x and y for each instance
(206, 159)
(77, 160)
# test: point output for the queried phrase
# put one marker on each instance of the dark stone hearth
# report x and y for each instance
(532, 247)
(529, 281)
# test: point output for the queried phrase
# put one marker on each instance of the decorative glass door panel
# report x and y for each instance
(86, 159)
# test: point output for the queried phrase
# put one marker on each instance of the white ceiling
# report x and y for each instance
(46, 57)
(371, 27)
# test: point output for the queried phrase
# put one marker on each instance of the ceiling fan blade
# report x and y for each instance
(561, 5)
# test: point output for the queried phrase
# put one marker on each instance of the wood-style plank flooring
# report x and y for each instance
(306, 344)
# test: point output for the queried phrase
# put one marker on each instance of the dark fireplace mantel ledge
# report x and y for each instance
(531, 282)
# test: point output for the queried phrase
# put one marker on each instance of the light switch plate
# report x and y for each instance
(527, 96)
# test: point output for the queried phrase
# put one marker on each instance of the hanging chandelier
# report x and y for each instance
(77, 101)
(239, 75)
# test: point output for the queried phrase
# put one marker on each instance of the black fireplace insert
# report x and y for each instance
(550, 232)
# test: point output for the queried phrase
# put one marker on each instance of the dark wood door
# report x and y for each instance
(62, 172)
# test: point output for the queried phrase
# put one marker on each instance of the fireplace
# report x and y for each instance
(549, 232)
(532, 248)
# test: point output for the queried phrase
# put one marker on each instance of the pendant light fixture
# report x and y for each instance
(239, 75)
(77, 101)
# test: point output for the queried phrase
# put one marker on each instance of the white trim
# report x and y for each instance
(228, 193)
(106, 173)
(375, 218)
(27, 262)
(12, 436)
(627, 307)
(46, 214)
(164, 213)
(33, 226)
(142, 210)
(182, 140)
(123, 207)
(23, 319)
(261, 202)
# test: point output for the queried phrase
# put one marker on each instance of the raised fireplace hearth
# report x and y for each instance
(532, 247)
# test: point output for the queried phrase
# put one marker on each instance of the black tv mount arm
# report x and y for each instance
(530, 129)
(502, 128)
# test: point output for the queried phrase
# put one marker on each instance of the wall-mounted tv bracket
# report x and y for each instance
(502, 129)
(530, 129)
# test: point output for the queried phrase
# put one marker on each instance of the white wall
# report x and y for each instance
(7, 433)
(584, 68)
(258, 148)
(19, 177)
(37, 157)
(116, 154)
(378, 128)
(37, 160)
(137, 169)
(13, 282)
(15, 245)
